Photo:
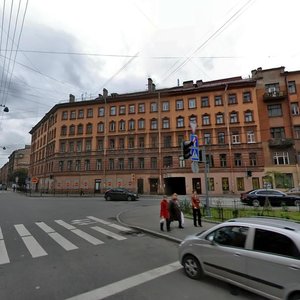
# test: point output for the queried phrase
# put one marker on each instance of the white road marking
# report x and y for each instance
(80, 233)
(127, 283)
(67, 245)
(35, 249)
(116, 226)
(109, 233)
(4, 259)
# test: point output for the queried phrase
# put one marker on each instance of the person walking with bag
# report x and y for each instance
(164, 214)
(196, 209)
(175, 211)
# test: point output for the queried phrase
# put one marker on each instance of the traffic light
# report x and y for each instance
(249, 173)
(186, 149)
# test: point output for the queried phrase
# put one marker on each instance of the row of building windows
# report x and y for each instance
(165, 106)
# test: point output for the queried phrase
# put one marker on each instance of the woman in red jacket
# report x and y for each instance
(164, 214)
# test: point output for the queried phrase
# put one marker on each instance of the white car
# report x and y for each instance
(261, 255)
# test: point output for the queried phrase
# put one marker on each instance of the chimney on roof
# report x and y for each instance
(151, 85)
(199, 82)
(188, 84)
(71, 98)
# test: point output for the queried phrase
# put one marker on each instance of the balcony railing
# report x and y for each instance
(281, 143)
(275, 95)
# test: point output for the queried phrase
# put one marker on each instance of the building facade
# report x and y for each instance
(134, 140)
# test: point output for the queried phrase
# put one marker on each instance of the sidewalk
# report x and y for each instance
(146, 219)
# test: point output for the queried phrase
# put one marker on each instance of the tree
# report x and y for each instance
(21, 174)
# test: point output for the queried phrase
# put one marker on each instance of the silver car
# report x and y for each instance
(261, 255)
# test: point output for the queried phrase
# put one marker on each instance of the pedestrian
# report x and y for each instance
(175, 211)
(164, 213)
(196, 209)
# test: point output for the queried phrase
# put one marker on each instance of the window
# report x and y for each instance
(141, 123)
(153, 163)
(167, 141)
(236, 138)
(131, 142)
(204, 102)
(180, 122)
(297, 132)
(78, 146)
(233, 117)
(274, 110)
(77, 165)
(80, 129)
(80, 114)
(207, 138)
(100, 145)
(90, 113)
(205, 120)
(122, 110)
(248, 116)
(141, 107)
(277, 133)
(292, 87)
(73, 115)
(122, 125)
(253, 159)
(62, 146)
(72, 130)
(192, 103)
(167, 161)
(87, 165)
(240, 183)
(71, 146)
(272, 88)
(218, 101)
(232, 99)
(111, 164)
(246, 97)
(295, 108)
(88, 145)
(69, 165)
(211, 184)
(141, 162)
(193, 119)
(99, 164)
(274, 243)
(223, 160)
(63, 130)
(141, 142)
(165, 106)
(64, 115)
(153, 124)
(165, 123)
(112, 126)
(221, 138)
(220, 118)
(100, 127)
(131, 124)
(179, 104)
(154, 140)
(237, 159)
(231, 236)
(89, 128)
(101, 112)
(113, 110)
(153, 107)
(112, 144)
(121, 143)
(121, 163)
(130, 163)
(281, 158)
(61, 165)
(131, 108)
(250, 137)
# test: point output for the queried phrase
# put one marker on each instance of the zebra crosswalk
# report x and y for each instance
(59, 233)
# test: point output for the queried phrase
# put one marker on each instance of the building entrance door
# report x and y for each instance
(153, 185)
(140, 186)
(197, 185)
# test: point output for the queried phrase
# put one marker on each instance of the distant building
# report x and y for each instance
(249, 130)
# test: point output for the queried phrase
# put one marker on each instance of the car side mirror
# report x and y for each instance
(211, 239)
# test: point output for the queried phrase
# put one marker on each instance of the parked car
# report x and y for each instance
(294, 191)
(120, 194)
(261, 255)
(275, 197)
(3, 186)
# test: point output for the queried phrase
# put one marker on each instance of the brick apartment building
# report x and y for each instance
(249, 130)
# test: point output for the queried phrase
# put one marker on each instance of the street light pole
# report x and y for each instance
(206, 170)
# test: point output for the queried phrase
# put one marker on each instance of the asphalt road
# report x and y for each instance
(73, 248)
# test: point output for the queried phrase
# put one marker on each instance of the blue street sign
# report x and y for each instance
(195, 147)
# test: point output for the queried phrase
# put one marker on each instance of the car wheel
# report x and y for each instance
(297, 202)
(108, 198)
(295, 296)
(192, 267)
(255, 203)
(129, 198)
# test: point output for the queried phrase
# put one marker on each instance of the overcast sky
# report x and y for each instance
(82, 46)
